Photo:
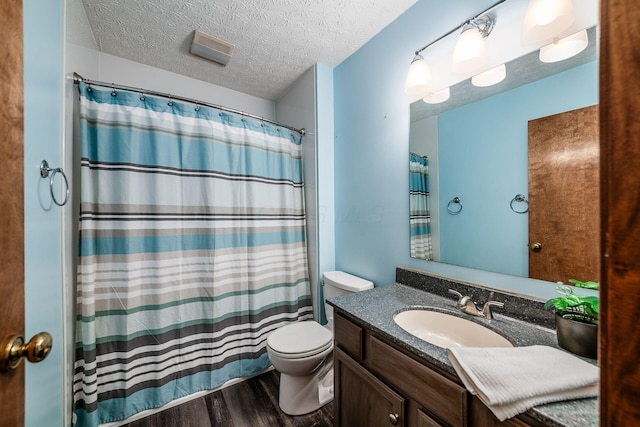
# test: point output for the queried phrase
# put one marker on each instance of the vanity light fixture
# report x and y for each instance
(546, 19)
(418, 79)
(490, 77)
(472, 51)
(565, 48)
(437, 97)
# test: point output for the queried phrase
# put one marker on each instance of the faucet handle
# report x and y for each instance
(462, 300)
(486, 309)
(456, 293)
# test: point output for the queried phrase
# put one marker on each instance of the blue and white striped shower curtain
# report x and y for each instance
(192, 250)
(419, 214)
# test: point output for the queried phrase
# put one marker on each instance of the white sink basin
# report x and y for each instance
(446, 330)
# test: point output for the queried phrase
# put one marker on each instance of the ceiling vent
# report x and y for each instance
(211, 48)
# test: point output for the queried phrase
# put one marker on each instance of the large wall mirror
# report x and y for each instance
(513, 170)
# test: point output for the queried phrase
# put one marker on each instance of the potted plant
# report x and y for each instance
(576, 319)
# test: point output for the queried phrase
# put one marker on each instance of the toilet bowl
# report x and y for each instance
(302, 352)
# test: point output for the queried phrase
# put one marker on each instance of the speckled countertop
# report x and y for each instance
(375, 308)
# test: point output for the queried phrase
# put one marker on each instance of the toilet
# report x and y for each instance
(302, 351)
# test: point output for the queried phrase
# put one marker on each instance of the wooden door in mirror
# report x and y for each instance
(564, 196)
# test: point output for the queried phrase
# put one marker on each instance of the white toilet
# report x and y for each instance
(302, 352)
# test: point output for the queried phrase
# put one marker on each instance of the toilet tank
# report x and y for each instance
(340, 283)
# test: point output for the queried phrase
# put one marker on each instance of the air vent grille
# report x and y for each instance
(211, 48)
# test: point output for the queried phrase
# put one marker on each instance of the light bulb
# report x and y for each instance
(565, 48)
(490, 77)
(546, 19)
(470, 53)
(418, 81)
(437, 97)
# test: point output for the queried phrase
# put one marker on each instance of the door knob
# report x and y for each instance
(13, 349)
(536, 247)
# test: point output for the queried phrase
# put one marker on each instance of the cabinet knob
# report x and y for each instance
(536, 247)
(393, 418)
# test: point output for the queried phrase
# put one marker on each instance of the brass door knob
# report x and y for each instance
(13, 349)
(536, 247)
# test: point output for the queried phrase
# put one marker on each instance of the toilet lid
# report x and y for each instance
(300, 338)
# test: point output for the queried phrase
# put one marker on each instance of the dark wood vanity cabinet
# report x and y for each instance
(379, 385)
(371, 402)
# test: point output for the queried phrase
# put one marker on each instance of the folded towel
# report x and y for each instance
(512, 380)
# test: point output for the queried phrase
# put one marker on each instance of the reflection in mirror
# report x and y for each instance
(477, 146)
(419, 219)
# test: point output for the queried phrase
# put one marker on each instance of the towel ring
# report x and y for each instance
(44, 172)
(519, 198)
(454, 201)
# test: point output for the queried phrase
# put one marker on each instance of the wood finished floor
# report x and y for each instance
(252, 403)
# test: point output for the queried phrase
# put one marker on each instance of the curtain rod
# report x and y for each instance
(77, 78)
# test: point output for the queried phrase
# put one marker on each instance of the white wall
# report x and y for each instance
(308, 103)
(423, 140)
(130, 73)
(326, 185)
(297, 108)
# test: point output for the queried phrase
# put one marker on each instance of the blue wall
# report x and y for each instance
(371, 146)
(483, 160)
(43, 42)
(372, 141)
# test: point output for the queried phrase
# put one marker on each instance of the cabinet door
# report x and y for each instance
(481, 416)
(362, 400)
(426, 421)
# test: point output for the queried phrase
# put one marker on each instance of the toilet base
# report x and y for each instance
(300, 395)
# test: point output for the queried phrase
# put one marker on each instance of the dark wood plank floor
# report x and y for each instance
(252, 403)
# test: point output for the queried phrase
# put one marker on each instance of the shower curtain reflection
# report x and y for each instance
(192, 250)
(420, 218)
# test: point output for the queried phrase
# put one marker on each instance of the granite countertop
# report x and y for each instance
(375, 308)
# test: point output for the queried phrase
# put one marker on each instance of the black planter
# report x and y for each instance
(577, 337)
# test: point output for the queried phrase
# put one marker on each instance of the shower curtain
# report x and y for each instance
(192, 250)
(420, 219)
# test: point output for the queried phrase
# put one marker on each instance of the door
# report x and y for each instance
(370, 402)
(564, 233)
(620, 290)
(11, 207)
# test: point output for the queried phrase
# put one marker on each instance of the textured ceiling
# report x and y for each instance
(276, 40)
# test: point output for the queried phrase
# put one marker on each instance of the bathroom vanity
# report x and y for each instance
(385, 376)
(379, 384)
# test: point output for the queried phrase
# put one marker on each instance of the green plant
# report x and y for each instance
(575, 307)
(586, 285)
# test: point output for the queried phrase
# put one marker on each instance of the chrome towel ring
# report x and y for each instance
(45, 170)
(451, 205)
(520, 198)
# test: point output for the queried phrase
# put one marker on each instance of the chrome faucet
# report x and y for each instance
(468, 306)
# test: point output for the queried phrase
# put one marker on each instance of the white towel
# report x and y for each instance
(512, 380)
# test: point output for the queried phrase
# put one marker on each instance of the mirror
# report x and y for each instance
(476, 144)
